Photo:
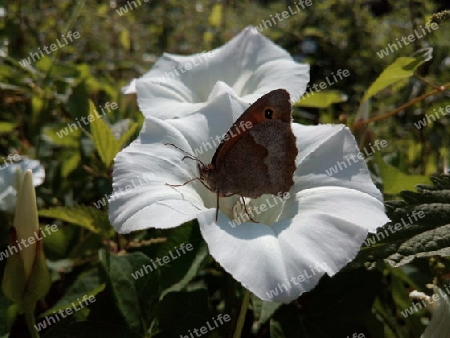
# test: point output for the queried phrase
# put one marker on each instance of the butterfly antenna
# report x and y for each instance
(192, 157)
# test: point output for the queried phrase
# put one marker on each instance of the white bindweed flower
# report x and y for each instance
(316, 229)
(8, 182)
(439, 325)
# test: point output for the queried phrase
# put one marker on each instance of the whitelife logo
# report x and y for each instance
(411, 38)
(422, 123)
(394, 228)
(341, 165)
(52, 319)
(86, 119)
(244, 216)
(53, 48)
(15, 248)
(161, 261)
(204, 330)
(283, 15)
(242, 127)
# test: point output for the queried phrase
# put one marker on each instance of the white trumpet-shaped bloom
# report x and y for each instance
(314, 230)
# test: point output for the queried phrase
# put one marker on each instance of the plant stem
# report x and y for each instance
(29, 316)
(406, 105)
(242, 313)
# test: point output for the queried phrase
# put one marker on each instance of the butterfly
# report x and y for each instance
(257, 154)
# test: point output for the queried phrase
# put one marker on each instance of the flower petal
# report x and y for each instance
(264, 258)
(141, 172)
(250, 64)
(321, 149)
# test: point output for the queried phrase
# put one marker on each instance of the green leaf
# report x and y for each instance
(402, 68)
(322, 99)
(130, 131)
(62, 136)
(124, 38)
(394, 181)
(105, 143)
(7, 127)
(216, 15)
(86, 285)
(427, 244)
(87, 217)
(135, 297)
(416, 227)
(70, 161)
(178, 272)
(263, 310)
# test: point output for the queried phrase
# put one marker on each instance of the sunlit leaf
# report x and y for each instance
(402, 68)
(7, 127)
(216, 15)
(87, 217)
(322, 99)
(106, 144)
(394, 180)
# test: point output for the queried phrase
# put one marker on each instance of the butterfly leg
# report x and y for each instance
(217, 207)
(180, 185)
(245, 208)
(192, 157)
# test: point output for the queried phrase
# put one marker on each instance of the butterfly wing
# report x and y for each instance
(261, 162)
(276, 100)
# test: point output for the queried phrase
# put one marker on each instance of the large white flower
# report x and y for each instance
(317, 230)
(8, 174)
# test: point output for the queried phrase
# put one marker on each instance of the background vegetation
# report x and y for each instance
(88, 257)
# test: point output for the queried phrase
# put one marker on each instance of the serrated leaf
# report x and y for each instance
(409, 219)
(441, 196)
(87, 217)
(394, 181)
(402, 68)
(429, 243)
(322, 99)
(104, 141)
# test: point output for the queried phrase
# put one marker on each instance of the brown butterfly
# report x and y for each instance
(257, 154)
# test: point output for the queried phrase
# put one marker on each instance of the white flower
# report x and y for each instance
(439, 325)
(250, 64)
(8, 190)
(317, 230)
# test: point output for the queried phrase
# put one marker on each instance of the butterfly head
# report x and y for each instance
(207, 175)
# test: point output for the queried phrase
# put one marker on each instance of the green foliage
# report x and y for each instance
(86, 217)
(322, 99)
(402, 68)
(394, 181)
(44, 104)
(422, 235)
